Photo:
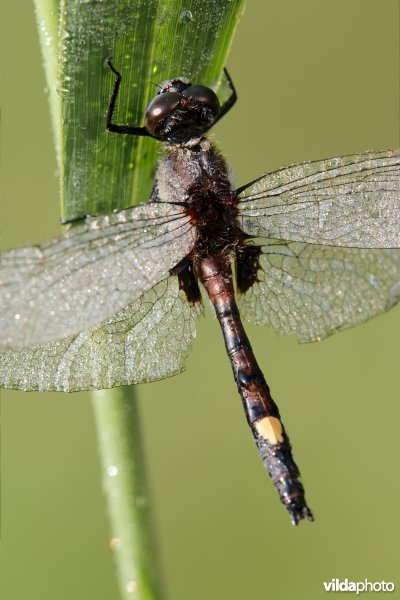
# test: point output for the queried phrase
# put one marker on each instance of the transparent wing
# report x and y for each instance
(69, 284)
(351, 201)
(145, 341)
(313, 291)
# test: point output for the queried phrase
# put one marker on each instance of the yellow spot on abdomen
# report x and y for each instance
(270, 428)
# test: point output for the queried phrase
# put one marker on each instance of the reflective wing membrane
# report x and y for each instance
(351, 201)
(313, 291)
(72, 283)
(145, 341)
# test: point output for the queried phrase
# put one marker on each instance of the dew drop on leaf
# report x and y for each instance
(186, 16)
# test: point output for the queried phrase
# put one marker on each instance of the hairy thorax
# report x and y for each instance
(198, 179)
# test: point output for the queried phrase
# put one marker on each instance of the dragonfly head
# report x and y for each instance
(181, 112)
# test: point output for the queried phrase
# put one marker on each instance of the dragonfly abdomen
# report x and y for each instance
(261, 411)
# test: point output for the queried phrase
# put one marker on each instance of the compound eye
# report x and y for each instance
(203, 95)
(159, 108)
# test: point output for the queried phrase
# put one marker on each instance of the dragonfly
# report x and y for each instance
(309, 250)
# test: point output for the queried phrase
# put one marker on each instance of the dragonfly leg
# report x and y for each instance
(261, 411)
(231, 100)
(154, 193)
(124, 129)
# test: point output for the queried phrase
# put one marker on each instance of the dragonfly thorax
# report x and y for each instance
(185, 174)
(181, 112)
(198, 180)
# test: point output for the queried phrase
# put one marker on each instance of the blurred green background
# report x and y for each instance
(315, 79)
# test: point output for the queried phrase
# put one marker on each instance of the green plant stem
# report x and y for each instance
(124, 483)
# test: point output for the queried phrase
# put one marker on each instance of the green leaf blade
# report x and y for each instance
(149, 42)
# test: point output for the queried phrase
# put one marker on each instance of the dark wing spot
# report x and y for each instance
(247, 266)
(187, 279)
